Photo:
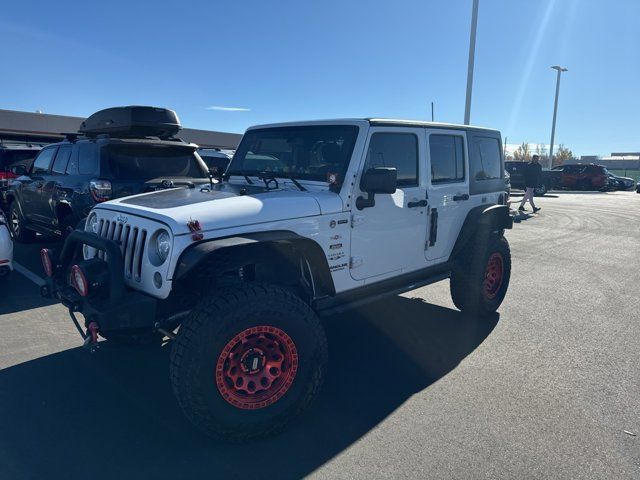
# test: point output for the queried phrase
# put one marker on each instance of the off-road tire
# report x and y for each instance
(217, 322)
(17, 225)
(468, 277)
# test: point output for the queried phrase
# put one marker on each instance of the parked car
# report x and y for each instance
(550, 179)
(621, 183)
(216, 160)
(357, 209)
(585, 177)
(15, 160)
(116, 154)
(6, 248)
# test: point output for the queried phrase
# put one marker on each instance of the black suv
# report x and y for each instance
(68, 178)
(15, 160)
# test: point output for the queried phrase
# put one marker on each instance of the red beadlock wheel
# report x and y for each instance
(493, 276)
(256, 367)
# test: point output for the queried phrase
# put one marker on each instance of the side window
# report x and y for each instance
(62, 158)
(72, 166)
(487, 166)
(87, 159)
(42, 162)
(399, 150)
(447, 158)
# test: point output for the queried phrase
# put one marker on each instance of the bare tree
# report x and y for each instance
(522, 153)
(541, 151)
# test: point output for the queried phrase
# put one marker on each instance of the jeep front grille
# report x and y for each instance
(132, 241)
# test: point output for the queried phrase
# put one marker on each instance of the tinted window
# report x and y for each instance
(447, 158)
(9, 158)
(487, 166)
(307, 153)
(143, 162)
(42, 162)
(399, 150)
(72, 166)
(62, 158)
(87, 159)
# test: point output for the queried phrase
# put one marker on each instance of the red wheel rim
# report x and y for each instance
(493, 275)
(256, 367)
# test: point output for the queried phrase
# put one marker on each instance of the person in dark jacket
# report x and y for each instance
(532, 176)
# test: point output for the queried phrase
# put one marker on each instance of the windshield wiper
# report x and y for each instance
(297, 183)
(241, 172)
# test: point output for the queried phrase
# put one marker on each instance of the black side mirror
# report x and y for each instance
(376, 180)
(19, 170)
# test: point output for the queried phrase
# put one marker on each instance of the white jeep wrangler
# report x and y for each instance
(309, 218)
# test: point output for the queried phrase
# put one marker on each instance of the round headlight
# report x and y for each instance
(163, 245)
(92, 224)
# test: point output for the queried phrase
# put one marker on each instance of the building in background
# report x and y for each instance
(41, 128)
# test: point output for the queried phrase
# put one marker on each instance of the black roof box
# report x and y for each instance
(132, 121)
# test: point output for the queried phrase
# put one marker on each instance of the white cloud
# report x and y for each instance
(228, 109)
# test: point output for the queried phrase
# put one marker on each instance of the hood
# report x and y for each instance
(225, 206)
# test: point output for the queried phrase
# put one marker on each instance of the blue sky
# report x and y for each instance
(288, 60)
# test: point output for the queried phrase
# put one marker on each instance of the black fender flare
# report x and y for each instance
(486, 219)
(193, 255)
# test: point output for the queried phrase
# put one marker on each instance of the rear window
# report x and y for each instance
(134, 162)
(9, 158)
(488, 165)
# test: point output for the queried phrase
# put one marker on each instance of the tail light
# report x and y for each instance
(47, 264)
(100, 190)
(79, 281)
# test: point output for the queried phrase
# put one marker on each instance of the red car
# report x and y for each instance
(584, 177)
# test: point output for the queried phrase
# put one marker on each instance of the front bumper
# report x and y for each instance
(116, 307)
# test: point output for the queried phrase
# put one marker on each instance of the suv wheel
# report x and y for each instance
(247, 361)
(479, 283)
(540, 191)
(16, 225)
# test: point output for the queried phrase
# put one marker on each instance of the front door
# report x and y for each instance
(389, 237)
(448, 189)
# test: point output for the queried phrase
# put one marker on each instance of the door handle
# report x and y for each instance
(458, 198)
(421, 203)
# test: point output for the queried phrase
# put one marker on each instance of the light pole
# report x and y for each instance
(472, 53)
(555, 113)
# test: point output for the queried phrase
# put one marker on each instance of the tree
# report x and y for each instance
(541, 151)
(522, 153)
(562, 155)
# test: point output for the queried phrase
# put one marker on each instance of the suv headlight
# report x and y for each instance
(92, 224)
(163, 245)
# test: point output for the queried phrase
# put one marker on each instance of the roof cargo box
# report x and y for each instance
(133, 122)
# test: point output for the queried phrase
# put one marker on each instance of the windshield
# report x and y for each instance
(305, 152)
(144, 162)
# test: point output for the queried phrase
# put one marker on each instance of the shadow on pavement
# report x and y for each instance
(78, 415)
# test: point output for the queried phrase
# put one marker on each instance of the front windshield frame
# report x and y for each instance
(342, 135)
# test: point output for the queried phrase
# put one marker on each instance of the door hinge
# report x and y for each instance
(356, 220)
(355, 262)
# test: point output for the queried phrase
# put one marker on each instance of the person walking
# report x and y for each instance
(532, 176)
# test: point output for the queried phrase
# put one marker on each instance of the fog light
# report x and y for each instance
(157, 280)
(47, 264)
(79, 281)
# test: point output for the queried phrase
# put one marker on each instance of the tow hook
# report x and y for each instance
(91, 337)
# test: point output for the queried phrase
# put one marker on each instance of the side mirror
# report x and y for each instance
(376, 180)
(19, 170)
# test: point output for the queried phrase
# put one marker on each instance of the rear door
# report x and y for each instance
(448, 190)
(53, 188)
(31, 189)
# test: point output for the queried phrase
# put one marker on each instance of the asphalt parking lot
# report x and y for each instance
(549, 388)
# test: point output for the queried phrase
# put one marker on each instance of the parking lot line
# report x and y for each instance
(28, 273)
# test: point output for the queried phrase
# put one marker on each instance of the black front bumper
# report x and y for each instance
(116, 307)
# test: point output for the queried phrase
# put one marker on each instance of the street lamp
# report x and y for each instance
(555, 112)
(472, 53)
